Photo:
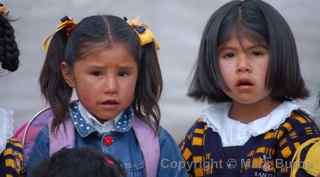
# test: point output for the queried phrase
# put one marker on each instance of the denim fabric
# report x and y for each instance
(124, 147)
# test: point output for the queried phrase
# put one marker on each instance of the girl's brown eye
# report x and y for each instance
(96, 73)
(228, 55)
(123, 73)
(257, 53)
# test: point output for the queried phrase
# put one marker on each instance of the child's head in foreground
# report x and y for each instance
(81, 162)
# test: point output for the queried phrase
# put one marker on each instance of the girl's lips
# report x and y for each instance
(110, 104)
(244, 84)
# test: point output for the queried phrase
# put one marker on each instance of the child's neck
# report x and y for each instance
(247, 113)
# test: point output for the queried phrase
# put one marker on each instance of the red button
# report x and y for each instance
(107, 140)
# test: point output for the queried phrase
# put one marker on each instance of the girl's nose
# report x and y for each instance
(243, 64)
(111, 84)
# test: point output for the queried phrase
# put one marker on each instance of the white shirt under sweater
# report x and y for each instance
(236, 133)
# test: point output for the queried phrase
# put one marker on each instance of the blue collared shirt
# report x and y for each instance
(124, 146)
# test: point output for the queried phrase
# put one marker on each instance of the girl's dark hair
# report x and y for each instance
(9, 52)
(81, 162)
(261, 23)
(88, 35)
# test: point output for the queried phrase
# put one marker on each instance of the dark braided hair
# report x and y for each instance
(9, 52)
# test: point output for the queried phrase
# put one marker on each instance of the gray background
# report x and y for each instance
(178, 26)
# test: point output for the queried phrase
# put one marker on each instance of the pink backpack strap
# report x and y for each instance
(28, 132)
(150, 146)
(20, 132)
(64, 137)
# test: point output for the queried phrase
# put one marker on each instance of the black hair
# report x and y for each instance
(9, 52)
(262, 24)
(83, 162)
(85, 37)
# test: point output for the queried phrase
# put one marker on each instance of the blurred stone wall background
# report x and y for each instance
(178, 26)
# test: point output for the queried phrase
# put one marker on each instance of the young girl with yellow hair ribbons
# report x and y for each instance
(112, 65)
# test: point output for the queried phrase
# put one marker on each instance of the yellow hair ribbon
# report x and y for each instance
(66, 23)
(146, 36)
(3, 9)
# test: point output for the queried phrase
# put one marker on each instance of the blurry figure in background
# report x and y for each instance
(83, 162)
(11, 158)
(9, 51)
(248, 70)
(306, 161)
(112, 65)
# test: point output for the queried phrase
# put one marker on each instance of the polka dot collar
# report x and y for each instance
(84, 128)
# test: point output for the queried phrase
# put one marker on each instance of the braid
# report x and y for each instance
(9, 52)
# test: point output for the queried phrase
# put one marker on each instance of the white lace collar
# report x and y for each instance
(6, 127)
(236, 133)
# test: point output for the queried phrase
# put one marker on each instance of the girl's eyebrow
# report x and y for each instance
(103, 67)
(258, 46)
(226, 47)
(95, 67)
(126, 68)
(223, 46)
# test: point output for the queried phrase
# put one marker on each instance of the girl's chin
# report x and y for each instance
(105, 119)
(252, 100)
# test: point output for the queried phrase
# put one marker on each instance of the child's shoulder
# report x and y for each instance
(301, 116)
(195, 133)
(299, 120)
(295, 130)
(199, 126)
(167, 141)
(16, 144)
(13, 157)
(299, 123)
(165, 136)
(14, 148)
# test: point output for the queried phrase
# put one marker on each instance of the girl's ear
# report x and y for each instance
(67, 74)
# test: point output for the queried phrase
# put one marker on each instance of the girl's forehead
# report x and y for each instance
(243, 37)
(100, 48)
(113, 55)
